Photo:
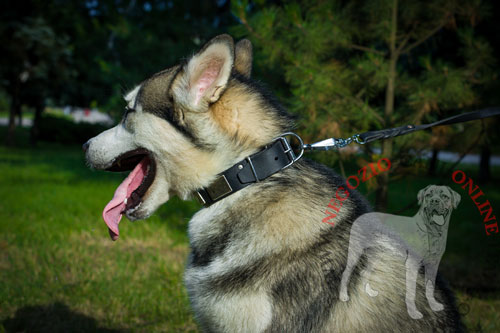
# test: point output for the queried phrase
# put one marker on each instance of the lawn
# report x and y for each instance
(60, 272)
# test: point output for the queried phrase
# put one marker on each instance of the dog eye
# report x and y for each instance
(127, 111)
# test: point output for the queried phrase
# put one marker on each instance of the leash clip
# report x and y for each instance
(333, 143)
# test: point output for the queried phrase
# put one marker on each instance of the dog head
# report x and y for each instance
(183, 126)
(437, 202)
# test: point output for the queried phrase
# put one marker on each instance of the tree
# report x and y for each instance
(119, 43)
(86, 53)
(365, 65)
(35, 63)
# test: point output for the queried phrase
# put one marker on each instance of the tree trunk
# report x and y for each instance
(381, 194)
(19, 117)
(14, 110)
(484, 164)
(433, 162)
(35, 128)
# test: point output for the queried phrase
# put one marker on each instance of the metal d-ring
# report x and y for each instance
(289, 151)
(358, 139)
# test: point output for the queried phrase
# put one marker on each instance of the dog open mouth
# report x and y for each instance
(129, 194)
(438, 215)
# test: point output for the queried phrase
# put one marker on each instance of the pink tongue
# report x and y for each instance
(113, 211)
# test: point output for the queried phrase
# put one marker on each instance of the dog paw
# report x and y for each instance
(343, 297)
(370, 291)
(436, 306)
(415, 314)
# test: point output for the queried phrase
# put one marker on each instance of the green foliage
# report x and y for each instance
(119, 44)
(80, 53)
(354, 66)
(4, 101)
(335, 57)
(35, 60)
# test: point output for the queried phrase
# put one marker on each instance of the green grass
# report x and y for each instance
(60, 272)
(57, 261)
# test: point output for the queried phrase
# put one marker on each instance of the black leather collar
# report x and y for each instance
(275, 157)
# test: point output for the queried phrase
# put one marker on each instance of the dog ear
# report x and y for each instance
(206, 74)
(243, 57)
(421, 194)
(455, 197)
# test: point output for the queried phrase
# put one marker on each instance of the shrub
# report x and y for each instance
(63, 130)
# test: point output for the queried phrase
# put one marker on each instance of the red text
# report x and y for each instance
(475, 193)
(342, 193)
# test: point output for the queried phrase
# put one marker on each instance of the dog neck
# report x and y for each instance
(420, 218)
(253, 169)
(431, 228)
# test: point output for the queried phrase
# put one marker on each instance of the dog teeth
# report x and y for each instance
(125, 201)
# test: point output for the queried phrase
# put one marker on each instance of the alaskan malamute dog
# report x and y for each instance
(261, 258)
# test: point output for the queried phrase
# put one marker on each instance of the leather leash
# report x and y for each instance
(370, 136)
(279, 155)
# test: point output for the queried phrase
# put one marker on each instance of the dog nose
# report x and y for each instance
(85, 146)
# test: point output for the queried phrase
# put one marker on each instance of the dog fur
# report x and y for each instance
(261, 260)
